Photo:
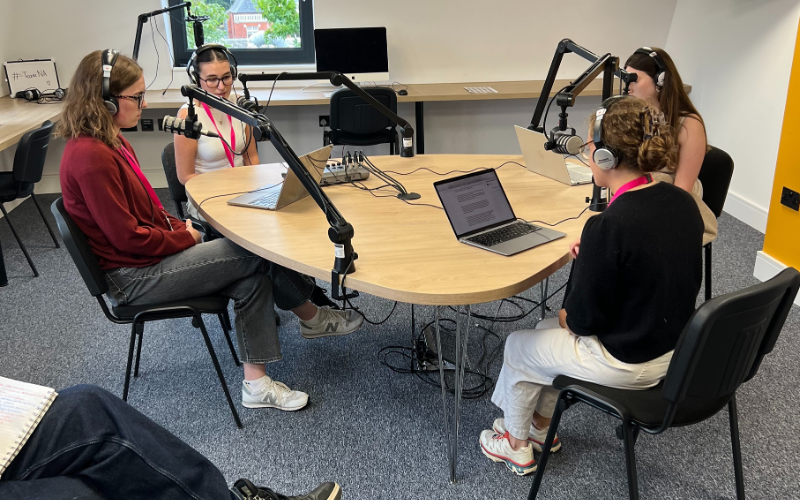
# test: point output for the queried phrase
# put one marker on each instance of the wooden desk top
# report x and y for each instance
(18, 116)
(295, 96)
(406, 253)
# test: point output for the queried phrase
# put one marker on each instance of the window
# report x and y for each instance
(258, 32)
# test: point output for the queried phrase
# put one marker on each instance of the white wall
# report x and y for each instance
(737, 55)
(429, 41)
(7, 8)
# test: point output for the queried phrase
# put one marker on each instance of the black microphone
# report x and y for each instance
(564, 143)
(247, 104)
(190, 128)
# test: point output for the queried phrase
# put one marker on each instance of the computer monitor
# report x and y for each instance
(359, 53)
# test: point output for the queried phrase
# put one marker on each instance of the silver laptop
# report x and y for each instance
(548, 163)
(275, 197)
(481, 215)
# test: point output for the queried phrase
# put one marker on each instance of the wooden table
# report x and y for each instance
(406, 253)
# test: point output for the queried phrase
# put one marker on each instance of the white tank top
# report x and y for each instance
(210, 150)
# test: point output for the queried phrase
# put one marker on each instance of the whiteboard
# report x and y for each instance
(39, 74)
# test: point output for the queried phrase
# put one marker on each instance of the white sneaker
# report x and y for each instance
(536, 437)
(274, 395)
(498, 449)
(332, 322)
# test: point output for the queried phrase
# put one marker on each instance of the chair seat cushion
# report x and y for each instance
(213, 304)
(8, 188)
(648, 407)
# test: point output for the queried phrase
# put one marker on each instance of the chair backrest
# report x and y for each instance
(176, 190)
(727, 337)
(715, 174)
(350, 113)
(79, 250)
(31, 154)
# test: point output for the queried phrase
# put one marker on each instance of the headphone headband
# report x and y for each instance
(192, 68)
(661, 68)
(108, 60)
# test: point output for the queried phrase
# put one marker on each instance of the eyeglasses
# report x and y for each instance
(138, 97)
(214, 82)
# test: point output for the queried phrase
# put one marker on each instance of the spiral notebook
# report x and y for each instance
(22, 406)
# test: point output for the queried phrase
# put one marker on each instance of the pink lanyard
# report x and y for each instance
(135, 166)
(645, 179)
(228, 152)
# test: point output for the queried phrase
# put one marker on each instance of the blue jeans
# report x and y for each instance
(220, 267)
(91, 445)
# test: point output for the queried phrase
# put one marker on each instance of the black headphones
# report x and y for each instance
(603, 156)
(34, 95)
(192, 68)
(109, 59)
(661, 67)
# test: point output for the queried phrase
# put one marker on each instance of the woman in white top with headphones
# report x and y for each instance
(213, 69)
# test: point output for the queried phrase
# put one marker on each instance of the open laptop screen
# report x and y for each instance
(474, 202)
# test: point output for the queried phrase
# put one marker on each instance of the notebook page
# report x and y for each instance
(22, 406)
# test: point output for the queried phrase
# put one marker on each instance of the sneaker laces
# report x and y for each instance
(282, 392)
(248, 491)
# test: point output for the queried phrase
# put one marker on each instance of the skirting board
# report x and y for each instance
(767, 267)
(746, 211)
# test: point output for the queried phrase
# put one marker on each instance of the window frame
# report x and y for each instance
(253, 57)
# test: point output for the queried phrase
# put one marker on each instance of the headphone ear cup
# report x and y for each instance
(660, 79)
(604, 159)
(112, 105)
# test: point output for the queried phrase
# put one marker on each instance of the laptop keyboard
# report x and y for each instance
(503, 234)
(267, 201)
(578, 177)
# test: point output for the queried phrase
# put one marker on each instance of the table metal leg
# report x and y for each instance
(451, 433)
(420, 129)
(3, 277)
(543, 285)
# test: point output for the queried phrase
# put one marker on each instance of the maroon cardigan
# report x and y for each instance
(108, 203)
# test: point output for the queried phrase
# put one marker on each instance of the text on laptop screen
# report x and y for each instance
(475, 202)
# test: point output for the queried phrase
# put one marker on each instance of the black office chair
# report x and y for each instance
(356, 123)
(715, 175)
(137, 316)
(19, 183)
(721, 347)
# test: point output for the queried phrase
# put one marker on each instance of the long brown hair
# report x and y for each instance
(633, 132)
(672, 99)
(84, 112)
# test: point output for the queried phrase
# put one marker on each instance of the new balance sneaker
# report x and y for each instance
(536, 437)
(272, 394)
(332, 322)
(245, 490)
(498, 449)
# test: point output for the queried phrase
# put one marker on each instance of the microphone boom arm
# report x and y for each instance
(143, 18)
(341, 231)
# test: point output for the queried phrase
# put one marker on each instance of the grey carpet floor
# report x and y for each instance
(376, 432)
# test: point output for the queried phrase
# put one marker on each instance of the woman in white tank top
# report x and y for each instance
(194, 157)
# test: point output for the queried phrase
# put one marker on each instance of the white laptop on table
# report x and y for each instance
(275, 197)
(548, 163)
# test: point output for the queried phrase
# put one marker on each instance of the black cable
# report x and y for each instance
(272, 90)
(577, 157)
(544, 121)
(453, 171)
(158, 56)
(171, 58)
(559, 222)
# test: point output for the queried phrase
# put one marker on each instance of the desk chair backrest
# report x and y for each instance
(715, 174)
(176, 190)
(350, 113)
(724, 342)
(79, 250)
(30, 156)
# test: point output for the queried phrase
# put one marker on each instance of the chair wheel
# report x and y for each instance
(195, 323)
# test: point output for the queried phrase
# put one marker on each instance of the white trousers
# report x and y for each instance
(534, 358)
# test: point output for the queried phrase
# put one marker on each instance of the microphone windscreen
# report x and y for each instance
(573, 145)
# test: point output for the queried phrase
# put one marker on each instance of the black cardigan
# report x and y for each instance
(635, 282)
